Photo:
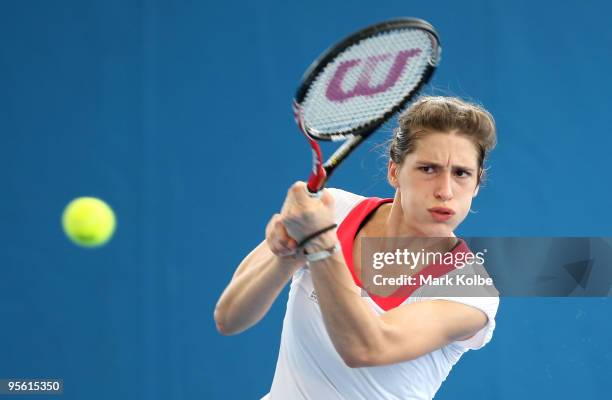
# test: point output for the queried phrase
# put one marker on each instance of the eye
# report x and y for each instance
(428, 169)
(461, 173)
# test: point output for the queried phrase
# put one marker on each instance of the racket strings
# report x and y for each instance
(366, 81)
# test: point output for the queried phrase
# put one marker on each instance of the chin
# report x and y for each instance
(437, 231)
(442, 234)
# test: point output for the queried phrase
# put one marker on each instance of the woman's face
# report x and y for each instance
(436, 183)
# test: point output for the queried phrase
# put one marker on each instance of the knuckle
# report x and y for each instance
(307, 214)
(270, 226)
(304, 215)
(271, 246)
(275, 248)
(297, 186)
(283, 237)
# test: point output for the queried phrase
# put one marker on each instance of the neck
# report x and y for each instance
(389, 221)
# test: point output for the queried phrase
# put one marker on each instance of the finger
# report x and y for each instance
(283, 252)
(272, 236)
(292, 244)
(271, 225)
(288, 247)
(279, 240)
(287, 243)
(327, 198)
(299, 192)
(281, 232)
(278, 248)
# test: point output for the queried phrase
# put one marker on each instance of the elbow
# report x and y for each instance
(223, 327)
(358, 358)
(355, 362)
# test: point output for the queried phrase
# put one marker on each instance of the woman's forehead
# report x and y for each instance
(446, 148)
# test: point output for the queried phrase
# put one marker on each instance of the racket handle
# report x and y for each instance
(316, 181)
(318, 175)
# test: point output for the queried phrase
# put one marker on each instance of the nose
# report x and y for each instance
(444, 190)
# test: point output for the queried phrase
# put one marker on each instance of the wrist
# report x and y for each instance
(316, 234)
(322, 242)
(323, 254)
(290, 264)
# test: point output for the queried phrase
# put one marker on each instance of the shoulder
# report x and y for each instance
(471, 287)
(344, 202)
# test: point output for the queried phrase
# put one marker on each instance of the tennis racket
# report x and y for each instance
(359, 83)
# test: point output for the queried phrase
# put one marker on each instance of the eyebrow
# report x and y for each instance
(433, 164)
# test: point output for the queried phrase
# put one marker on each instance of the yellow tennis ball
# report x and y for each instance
(88, 221)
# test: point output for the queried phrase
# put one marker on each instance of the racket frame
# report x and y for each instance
(354, 137)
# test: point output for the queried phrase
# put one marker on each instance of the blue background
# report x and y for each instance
(178, 114)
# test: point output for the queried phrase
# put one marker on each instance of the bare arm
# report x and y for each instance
(363, 338)
(257, 282)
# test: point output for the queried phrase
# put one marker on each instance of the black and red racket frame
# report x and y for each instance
(321, 171)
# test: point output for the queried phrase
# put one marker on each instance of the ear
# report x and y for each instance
(392, 172)
(476, 190)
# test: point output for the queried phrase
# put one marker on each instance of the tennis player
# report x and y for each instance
(340, 341)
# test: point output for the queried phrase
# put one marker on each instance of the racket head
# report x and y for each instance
(360, 82)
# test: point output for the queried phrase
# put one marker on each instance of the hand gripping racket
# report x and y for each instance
(361, 82)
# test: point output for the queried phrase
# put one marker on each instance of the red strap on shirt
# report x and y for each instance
(346, 235)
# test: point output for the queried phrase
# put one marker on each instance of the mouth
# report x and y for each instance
(441, 214)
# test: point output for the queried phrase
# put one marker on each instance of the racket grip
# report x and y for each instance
(316, 181)
(318, 174)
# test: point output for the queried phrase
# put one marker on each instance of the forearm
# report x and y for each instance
(258, 282)
(353, 327)
(363, 338)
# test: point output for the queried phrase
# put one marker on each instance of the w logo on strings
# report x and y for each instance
(364, 87)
